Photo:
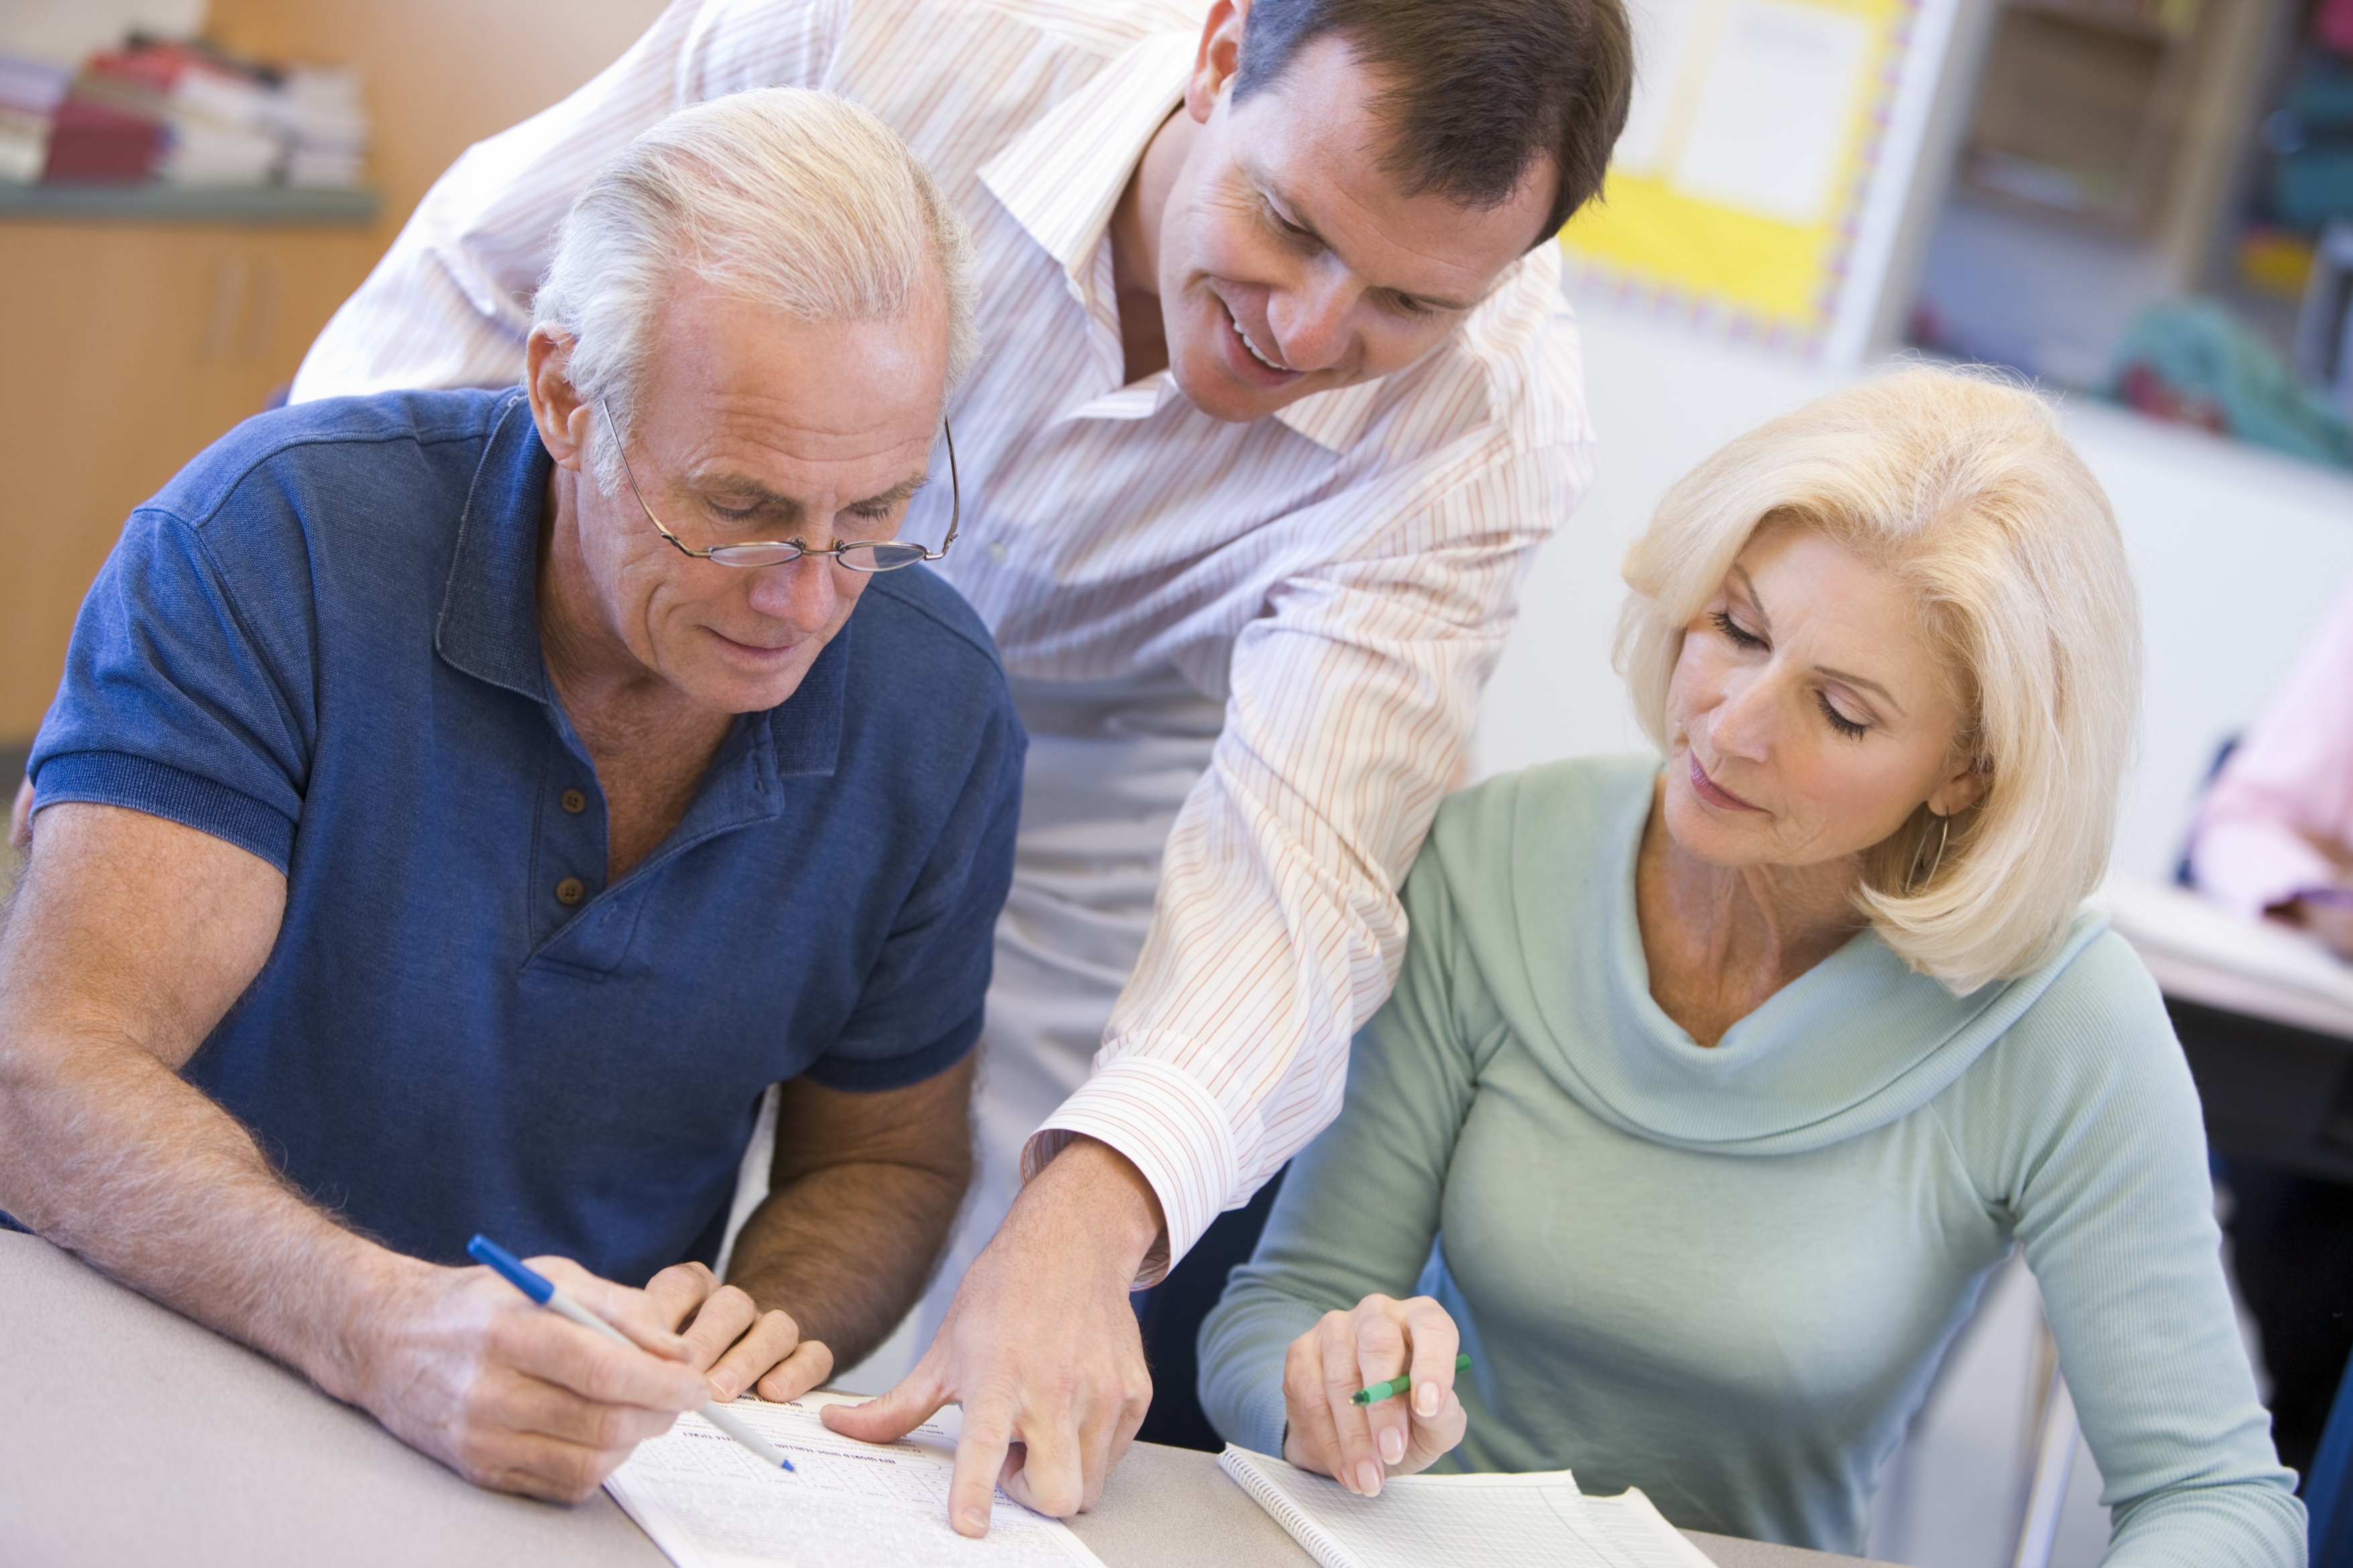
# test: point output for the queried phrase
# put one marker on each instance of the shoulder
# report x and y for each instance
(915, 609)
(2101, 1017)
(310, 454)
(921, 645)
(1575, 804)
(2092, 1063)
(1102, 27)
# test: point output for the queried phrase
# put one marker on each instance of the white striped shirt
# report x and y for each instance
(1341, 574)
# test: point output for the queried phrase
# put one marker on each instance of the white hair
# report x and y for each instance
(786, 197)
(1959, 484)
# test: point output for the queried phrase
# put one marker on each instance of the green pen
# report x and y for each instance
(1398, 1384)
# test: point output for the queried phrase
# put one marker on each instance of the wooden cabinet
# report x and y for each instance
(124, 350)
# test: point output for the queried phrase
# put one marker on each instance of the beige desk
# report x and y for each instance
(130, 1435)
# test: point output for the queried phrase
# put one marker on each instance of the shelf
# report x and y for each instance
(190, 203)
(2171, 25)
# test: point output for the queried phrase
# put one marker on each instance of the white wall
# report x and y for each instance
(2239, 556)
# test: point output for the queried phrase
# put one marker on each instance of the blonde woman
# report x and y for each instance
(1711, 1090)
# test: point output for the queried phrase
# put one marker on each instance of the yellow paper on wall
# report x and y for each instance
(1755, 130)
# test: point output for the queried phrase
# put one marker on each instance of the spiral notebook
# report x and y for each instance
(1461, 1521)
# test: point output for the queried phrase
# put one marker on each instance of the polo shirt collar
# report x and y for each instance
(490, 611)
(1062, 177)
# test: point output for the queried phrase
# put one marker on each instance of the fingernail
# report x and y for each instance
(975, 1521)
(1392, 1446)
(1425, 1399)
(1368, 1478)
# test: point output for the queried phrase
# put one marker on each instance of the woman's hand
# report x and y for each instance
(1354, 1444)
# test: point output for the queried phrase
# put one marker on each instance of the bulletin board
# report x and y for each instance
(1757, 132)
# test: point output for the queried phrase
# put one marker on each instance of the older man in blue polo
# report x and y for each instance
(461, 807)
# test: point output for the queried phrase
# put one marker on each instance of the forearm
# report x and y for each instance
(845, 1250)
(108, 983)
(106, 1152)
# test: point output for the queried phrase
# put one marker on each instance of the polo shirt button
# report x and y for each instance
(570, 892)
(575, 802)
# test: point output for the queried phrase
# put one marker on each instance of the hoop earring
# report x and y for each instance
(1944, 837)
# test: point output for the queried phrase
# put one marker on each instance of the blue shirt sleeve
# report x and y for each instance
(188, 680)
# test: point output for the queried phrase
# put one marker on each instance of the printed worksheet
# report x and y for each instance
(709, 1504)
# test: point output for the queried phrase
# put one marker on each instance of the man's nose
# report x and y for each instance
(802, 593)
(1310, 319)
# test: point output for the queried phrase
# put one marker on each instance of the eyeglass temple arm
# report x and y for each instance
(956, 492)
(629, 474)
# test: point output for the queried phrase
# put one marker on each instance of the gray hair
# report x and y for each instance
(786, 197)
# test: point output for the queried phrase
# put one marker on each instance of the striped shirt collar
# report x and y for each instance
(1062, 177)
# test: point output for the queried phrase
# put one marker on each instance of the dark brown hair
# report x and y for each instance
(1481, 88)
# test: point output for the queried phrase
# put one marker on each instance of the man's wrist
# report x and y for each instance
(370, 1300)
(1097, 1183)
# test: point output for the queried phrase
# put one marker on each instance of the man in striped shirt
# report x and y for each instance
(1277, 397)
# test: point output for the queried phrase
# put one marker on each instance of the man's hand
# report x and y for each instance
(458, 1363)
(1040, 1345)
(732, 1342)
(1356, 1444)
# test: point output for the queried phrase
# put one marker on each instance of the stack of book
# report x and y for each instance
(30, 94)
(181, 113)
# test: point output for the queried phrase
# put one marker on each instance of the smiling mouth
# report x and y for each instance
(1254, 353)
(760, 650)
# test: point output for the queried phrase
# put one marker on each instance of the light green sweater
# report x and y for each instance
(1726, 1275)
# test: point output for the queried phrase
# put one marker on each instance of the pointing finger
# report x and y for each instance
(981, 1461)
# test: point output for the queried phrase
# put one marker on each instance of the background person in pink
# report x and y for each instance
(2275, 834)
(2275, 839)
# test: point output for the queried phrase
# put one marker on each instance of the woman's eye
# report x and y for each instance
(1731, 628)
(1840, 722)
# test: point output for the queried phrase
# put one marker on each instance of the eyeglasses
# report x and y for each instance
(857, 554)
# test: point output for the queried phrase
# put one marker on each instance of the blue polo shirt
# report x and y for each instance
(320, 644)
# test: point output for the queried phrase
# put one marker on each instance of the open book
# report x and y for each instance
(1473, 1521)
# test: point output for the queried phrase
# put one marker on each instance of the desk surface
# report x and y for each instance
(131, 1435)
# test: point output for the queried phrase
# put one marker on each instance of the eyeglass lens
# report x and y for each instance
(881, 556)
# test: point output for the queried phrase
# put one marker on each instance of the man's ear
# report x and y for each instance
(1219, 58)
(561, 413)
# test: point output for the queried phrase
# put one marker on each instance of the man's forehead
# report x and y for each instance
(1328, 159)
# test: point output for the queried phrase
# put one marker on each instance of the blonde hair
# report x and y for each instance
(787, 197)
(1959, 484)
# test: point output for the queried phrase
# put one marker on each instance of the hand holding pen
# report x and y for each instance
(1342, 1382)
(543, 1291)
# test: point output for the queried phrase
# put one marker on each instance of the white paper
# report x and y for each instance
(1776, 110)
(707, 1503)
(1642, 1532)
(1463, 1522)
(1663, 36)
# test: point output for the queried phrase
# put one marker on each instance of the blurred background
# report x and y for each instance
(2146, 206)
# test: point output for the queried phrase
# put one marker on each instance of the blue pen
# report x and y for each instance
(542, 1289)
